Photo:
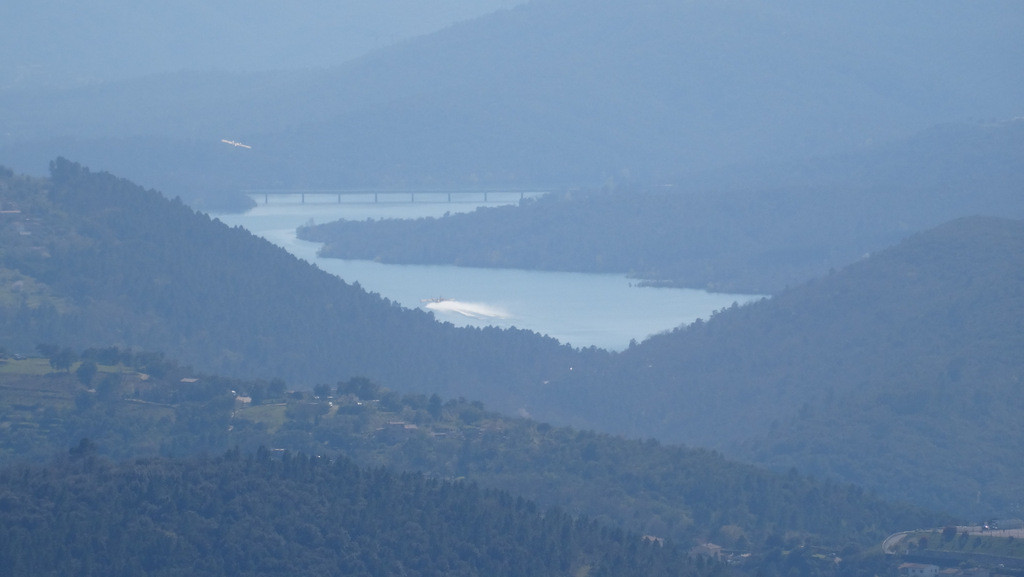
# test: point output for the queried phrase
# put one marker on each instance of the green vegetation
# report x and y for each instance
(686, 495)
(894, 373)
(267, 417)
(27, 366)
(958, 540)
(898, 373)
(262, 515)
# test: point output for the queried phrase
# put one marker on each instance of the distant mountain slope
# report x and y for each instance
(756, 230)
(901, 372)
(92, 259)
(558, 92)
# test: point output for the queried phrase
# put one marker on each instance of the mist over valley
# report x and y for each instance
(188, 385)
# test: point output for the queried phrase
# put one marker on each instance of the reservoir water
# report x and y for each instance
(602, 310)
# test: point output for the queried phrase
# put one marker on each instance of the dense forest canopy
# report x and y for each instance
(293, 514)
(132, 405)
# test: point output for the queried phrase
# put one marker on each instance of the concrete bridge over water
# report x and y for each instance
(327, 196)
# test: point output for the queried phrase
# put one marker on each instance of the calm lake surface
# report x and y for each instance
(601, 310)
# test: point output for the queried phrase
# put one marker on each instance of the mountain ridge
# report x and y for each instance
(914, 349)
(557, 93)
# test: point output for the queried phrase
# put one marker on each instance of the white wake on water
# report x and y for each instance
(467, 309)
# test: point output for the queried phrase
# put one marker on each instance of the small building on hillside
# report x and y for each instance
(918, 570)
(707, 550)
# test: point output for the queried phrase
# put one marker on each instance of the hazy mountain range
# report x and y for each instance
(557, 92)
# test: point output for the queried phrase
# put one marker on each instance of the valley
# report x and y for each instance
(765, 319)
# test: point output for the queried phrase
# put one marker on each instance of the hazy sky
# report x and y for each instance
(50, 42)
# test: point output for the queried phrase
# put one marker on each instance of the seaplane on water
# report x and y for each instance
(233, 143)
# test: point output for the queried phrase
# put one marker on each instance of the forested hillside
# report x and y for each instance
(291, 423)
(756, 231)
(295, 515)
(91, 259)
(132, 405)
(901, 372)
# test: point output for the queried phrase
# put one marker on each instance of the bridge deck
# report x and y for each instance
(397, 196)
